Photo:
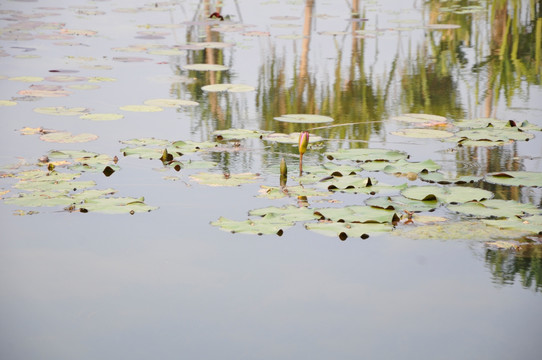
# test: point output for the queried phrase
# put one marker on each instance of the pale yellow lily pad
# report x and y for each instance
(7, 103)
(61, 110)
(102, 117)
(141, 108)
(67, 137)
(173, 103)
(29, 79)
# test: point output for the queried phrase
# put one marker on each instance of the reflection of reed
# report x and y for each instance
(304, 62)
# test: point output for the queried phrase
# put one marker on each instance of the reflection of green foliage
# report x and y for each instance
(525, 262)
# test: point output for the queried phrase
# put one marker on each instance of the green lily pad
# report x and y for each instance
(465, 230)
(515, 178)
(363, 155)
(212, 45)
(401, 204)
(65, 137)
(234, 88)
(52, 185)
(239, 134)
(347, 182)
(304, 118)
(481, 123)
(495, 208)
(451, 194)
(268, 224)
(272, 192)
(214, 179)
(423, 133)
(403, 166)
(346, 230)
(147, 142)
(531, 224)
(116, 205)
(357, 214)
(292, 138)
(205, 67)
(40, 199)
(491, 135)
(439, 178)
(290, 212)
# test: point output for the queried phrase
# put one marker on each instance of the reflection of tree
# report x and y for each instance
(507, 266)
(354, 99)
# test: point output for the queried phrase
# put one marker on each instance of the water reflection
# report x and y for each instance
(523, 266)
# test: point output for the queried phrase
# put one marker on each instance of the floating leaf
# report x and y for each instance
(214, 179)
(421, 118)
(515, 178)
(39, 199)
(532, 224)
(67, 137)
(268, 224)
(292, 138)
(141, 108)
(116, 205)
(362, 155)
(170, 102)
(304, 118)
(439, 178)
(290, 212)
(102, 117)
(451, 194)
(346, 230)
(29, 79)
(228, 87)
(61, 110)
(272, 192)
(465, 230)
(7, 103)
(239, 134)
(423, 133)
(401, 204)
(357, 214)
(212, 45)
(205, 67)
(491, 135)
(495, 208)
(403, 166)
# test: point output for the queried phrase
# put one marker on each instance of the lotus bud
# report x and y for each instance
(283, 168)
(303, 142)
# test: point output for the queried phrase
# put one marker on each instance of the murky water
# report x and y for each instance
(166, 284)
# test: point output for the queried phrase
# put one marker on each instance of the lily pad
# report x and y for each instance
(214, 179)
(205, 67)
(292, 138)
(357, 214)
(272, 192)
(440, 178)
(421, 118)
(67, 137)
(515, 178)
(403, 166)
(228, 87)
(304, 118)
(490, 135)
(346, 230)
(170, 103)
(363, 155)
(290, 212)
(451, 194)
(116, 205)
(401, 204)
(495, 208)
(7, 103)
(423, 133)
(102, 117)
(465, 230)
(268, 224)
(141, 108)
(531, 224)
(239, 134)
(61, 110)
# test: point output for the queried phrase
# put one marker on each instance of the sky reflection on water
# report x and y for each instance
(168, 285)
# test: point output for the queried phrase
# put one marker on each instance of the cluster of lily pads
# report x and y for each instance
(384, 207)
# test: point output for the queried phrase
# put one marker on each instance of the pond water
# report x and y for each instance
(78, 282)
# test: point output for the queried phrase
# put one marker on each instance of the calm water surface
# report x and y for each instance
(168, 285)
